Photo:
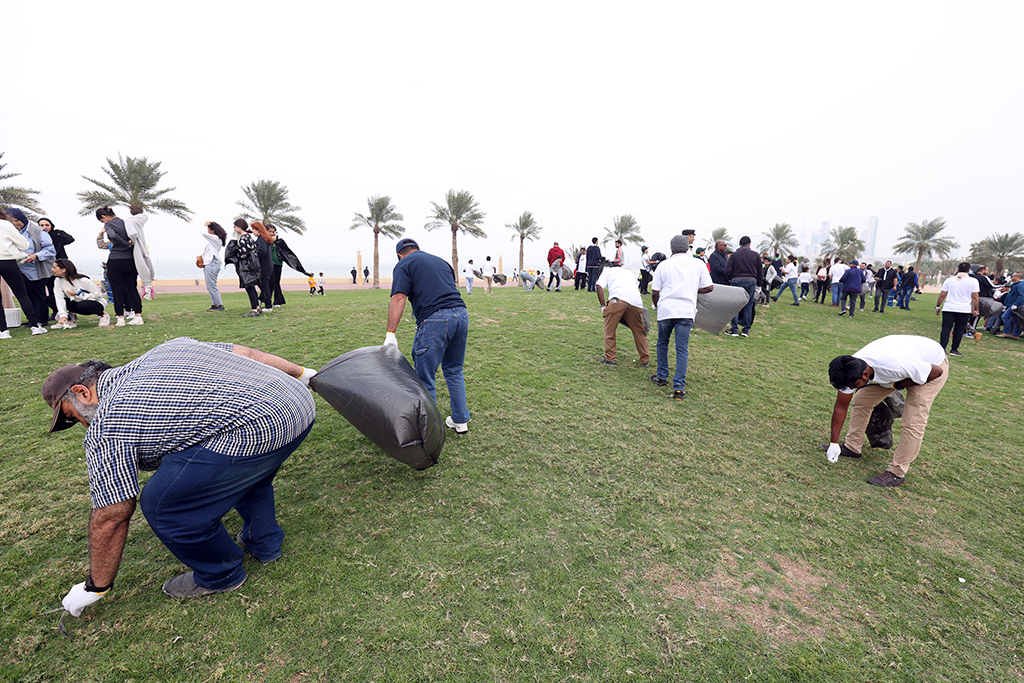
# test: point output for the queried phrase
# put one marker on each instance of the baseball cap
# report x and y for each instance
(55, 386)
(405, 242)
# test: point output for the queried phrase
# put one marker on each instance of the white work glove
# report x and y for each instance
(307, 374)
(390, 339)
(78, 599)
(833, 452)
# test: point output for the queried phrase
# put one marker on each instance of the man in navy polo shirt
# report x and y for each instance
(442, 323)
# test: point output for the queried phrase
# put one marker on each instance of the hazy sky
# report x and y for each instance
(684, 114)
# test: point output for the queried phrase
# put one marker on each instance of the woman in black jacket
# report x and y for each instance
(241, 251)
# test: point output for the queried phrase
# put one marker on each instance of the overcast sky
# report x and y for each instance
(683, 114)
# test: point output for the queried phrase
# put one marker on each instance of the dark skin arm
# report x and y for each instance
(395, 309)
(600, 296)
(843, 400)
(108, 529)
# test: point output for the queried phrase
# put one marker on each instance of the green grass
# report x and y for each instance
(586, 529)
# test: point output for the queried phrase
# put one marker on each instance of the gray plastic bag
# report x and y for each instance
(377, 390)
(716, 308)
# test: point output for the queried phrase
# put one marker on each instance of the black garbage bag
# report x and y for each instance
(377, 390)
(501, 278)
(657, 257)
(879, 431)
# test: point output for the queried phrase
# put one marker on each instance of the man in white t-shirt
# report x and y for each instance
(960, 295)
(619, 297)
(898, 361)
(674, 291)
(836, 273)
(467, 271)
(489, 271)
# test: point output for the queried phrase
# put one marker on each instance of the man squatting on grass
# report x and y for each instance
(442, 324)
(215, 421)
(898, 361)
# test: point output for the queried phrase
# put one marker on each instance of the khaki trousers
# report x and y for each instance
(487, 283)
(616, 310)
(914, 420)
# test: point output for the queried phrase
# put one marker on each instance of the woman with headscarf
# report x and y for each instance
(242, 252)
(60, 240)
(121, 267)
(216, 238)
(76, 295)
(12, 248)
(35, 267)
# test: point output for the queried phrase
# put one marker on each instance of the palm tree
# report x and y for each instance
(719, 234)
(843, 243)
(922, 239)
(268, 203)
(779, 239)
(526, 229)
(382, 217)
(625, 229)
(133, 184)
(1006, 251)
(17, 196)
(460, 212)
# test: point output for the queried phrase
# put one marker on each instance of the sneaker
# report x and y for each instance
(796, 304)
(744, 334)
(252, 314)
(659, 382)
(39, 329)
(239, 541)
(119, 323)
(64, 326)
(842, 312)
(211, 309)
(185, 586)
(128, 315)
(678, 395)
(6, 334)
(558, 289)
(459, 427)
(104, 320)
(268, 309)
(604, 361)
(137, 320)
(733, 333)
(886, 478)
(956, 353)
(645, 365)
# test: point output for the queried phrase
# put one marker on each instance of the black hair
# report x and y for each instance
(104, 211)
(744, 241)
(240, 223)
(844, 371)
(44, 218)
(910, 269)
(593, 240)
(70, 271)
(220, 232)
(964, 267)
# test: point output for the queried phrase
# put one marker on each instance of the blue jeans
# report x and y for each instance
(904, 299)
(835, 293)
(441, 340)
(193, 489)
(682, 328)
(469, 285)
(791, 284)
(210, 272)
(1009, 324)
(745, 317)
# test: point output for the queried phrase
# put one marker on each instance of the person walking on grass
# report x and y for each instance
(790, 275)
(835, 274)
(442, 324)
(593, 264)
(556, 257)
(619, 298)
(312, 283)
(581, 269)
(851, 283)
(214, 422)
(241, 251)
(916, 364)
(366, 274)
(821, 281)
(467, 271)
(121, 268)
(60, 240)
(958, 301)
(908, 283)
(489, 272)
(355, 274)
(885, 280)
(743, 270)
(320, 285)
(674, 291)
(216, 239)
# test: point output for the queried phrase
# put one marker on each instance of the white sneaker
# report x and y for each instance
(6, 334)
(39, 329)
(128, 315)
(459, 427)
(137, 320)
(104, 320)
(120, 322)
(269, 309)
(64, 326)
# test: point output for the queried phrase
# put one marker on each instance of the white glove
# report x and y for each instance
(833, 452)
(390, 339)
(78, 599)
(307, 374)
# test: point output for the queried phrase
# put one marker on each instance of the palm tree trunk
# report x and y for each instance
(455, 253)
(917, 266)
(376, 259)
(520, 253)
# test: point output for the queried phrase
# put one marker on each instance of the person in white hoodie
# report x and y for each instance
(12, 249)
(135, 225)
(76, 295)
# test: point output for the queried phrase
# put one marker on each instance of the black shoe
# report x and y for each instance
(843, 451)
(794, 304)
(842, 312)
(604, 361)
(956, 353)
(678, 395)
(733, 333)
(886, 478)
(659, 382)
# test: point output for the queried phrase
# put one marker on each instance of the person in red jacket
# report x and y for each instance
(556, 257)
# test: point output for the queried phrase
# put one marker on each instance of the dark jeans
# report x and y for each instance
(193, 489)
(85, 307)
(51, 300)
(275, 283)
(441, 340)
(37, 296)
(850, 296)
(791, 285)
(266, 289)
(904, 298)
(254, 299)
(645, 279)
(581, 279)
(821, 291)
(12, 275)
(123, 276)
(957, 322)
(592, 278)
(556, 278)
(682, 328)
(745, 318)
(805, 288)
(881, 299)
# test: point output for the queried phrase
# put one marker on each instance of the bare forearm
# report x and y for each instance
(395, 310)
(108, 529)
(838, 418)
(286, 366)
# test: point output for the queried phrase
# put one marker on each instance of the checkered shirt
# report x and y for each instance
(181, 394)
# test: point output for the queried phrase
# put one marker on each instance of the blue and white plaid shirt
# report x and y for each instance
(181, 394)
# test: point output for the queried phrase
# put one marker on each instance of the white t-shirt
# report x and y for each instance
(958, 293)
(677, 280)
(804, 277)
(789, 271)
(838, 270)
(619, 283)
(900, 356)
(488, 270)
(581, 263)
(468, 272)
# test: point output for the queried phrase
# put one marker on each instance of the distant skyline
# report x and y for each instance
(685, 115)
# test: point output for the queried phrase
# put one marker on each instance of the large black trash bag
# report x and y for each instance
(879, 431)
(500, 278)
(377, 390)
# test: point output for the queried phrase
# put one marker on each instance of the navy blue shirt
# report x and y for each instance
(428, 281)
(852, 280)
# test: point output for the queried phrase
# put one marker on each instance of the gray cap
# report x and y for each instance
(680, 244)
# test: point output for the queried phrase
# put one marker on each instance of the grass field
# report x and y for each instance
(586, 529)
